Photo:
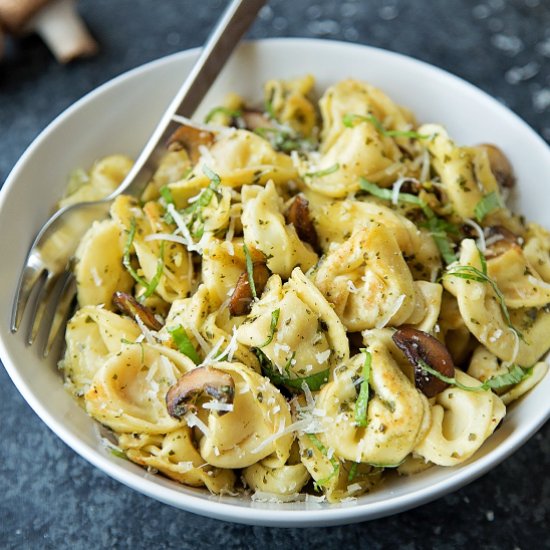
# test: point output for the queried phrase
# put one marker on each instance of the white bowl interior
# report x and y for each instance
(119, 116)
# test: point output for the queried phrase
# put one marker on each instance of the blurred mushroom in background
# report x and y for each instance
(56, 21)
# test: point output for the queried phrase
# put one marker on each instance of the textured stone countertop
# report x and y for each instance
(51, 498)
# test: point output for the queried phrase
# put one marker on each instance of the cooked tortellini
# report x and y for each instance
(368, 281)
(265, 230)
(308, 338)
(295, 305)
(352, 142)
(483, 308)
(99, 271)
(461, 421)
(396, 418)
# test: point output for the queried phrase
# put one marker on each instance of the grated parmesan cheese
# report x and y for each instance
(381, 323)
(98, 281)
(481, 243)
(353, 488)
(193, 420)
(323, 356)
(218, 406)
(351, 287)
(148, 334)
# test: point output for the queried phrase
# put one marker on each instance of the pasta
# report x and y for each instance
(307, 298)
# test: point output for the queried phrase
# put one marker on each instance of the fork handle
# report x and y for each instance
(234, 22)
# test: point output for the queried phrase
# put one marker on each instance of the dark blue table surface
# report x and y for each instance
(50, 497)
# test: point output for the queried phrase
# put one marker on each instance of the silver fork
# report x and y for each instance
(47, 273)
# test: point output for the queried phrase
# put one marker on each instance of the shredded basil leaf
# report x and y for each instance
(363, 398)
(126, 260)
(353, 471)
(231, 113)
(313, 381)
(183, 343)
(441, 238)
(283, 140)
(118, 453)
(514, 375)
(152, 286)
(249, 270)
(472, 273)
(438, 227)
(349, 120)
(212, 176)
(272, 328)
(325, 172)
(166, 194)
(488, 204)
(333, 461)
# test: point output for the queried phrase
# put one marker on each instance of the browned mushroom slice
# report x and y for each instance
(127, 304)
(241, 299)
(418, 346)
(499, 240)
(191, 139)
(298, 215)
(182, 397)
(253, 119)
(500, 165)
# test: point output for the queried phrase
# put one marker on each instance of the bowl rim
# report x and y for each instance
(326, 515)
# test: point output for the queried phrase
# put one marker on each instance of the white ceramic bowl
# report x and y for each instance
(119, 116)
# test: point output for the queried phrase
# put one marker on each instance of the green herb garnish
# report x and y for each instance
(272, 328)
(194, 212)
(249, 270)
(325, 172)
(118, 453)
(126, 259)
(166, 194)
(313, 381)
(438, 227)
(472, 273)
(184, 344)
(349, 120)
(231, 113)
(333, 461)
(152, 286)
(363, 398)
(488, 204)
(283, 140)
(514, 375)
(353, 471)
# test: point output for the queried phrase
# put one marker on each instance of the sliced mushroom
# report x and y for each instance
(184, 394)
(191, 139)
(252, 119)
(421, 346)
(56, 21)
(127, 304)
(499, 240)
(241, 299)
(298, 215)
(500, 165)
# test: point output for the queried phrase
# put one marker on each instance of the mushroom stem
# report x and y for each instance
(60, 26)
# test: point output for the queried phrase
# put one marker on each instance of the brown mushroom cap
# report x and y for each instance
(505, 242)
(15, 14)
(419, 345)
(298, 215)
(253, 119)
(127, 304)
(240, 302)
(191, 139)
(183, 395)
(500, 165)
